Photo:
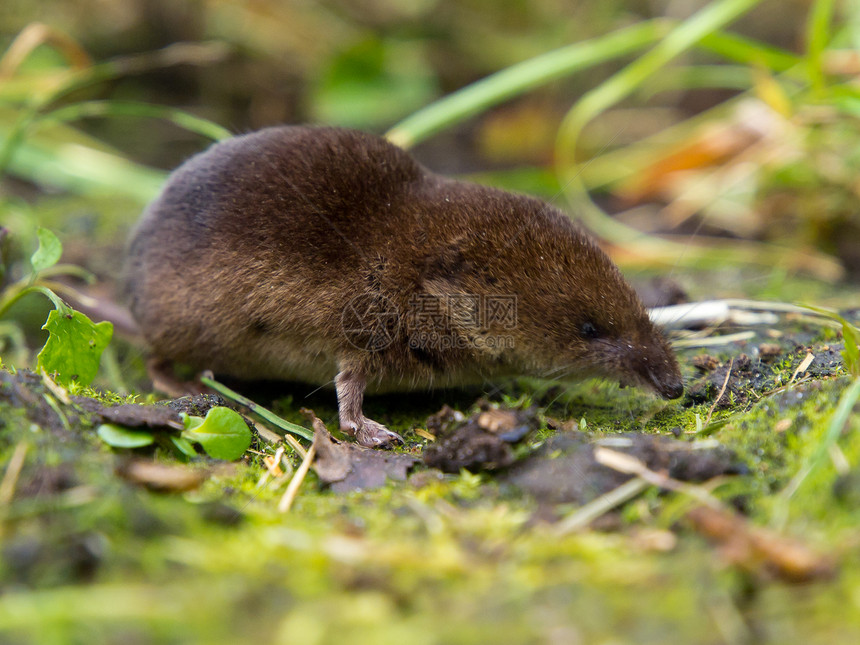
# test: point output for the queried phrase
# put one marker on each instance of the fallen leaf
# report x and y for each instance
(135, 415)
(161, 477)
(759, 550)
(497, 420)
(347, 467)
(469, 447)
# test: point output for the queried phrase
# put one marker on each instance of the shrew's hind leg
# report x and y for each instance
(350, 384)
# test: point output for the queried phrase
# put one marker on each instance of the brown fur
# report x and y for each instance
(247, 261)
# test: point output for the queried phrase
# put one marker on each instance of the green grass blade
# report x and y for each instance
(749, 52)
(175, 54)
(707, 21)
(817, 38)
(89, 109)
(688, 77)
(522, 77)
(85, 170)
(263, 413)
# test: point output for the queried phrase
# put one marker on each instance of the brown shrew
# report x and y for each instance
(315, 253)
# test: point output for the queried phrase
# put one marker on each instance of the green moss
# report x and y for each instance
(456, 559)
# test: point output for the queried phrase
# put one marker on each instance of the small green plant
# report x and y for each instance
(851, 336)
(839, 420)
(223, 434)
(75, 343)
(36, 120)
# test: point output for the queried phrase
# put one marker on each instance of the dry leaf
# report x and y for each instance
(347, 466)
(161, 477)
(756, 549)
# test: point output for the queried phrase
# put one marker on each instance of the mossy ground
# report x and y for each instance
(89, 557)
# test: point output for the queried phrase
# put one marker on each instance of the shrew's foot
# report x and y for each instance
(371, 434)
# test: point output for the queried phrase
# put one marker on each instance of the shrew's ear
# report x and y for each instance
(447, 278)
(446, 265)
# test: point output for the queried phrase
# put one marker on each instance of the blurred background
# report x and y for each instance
(364, 64)
(747, 132)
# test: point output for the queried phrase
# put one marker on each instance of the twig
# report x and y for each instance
(56, 389)
(267, 435)
(747, 546)
(10, 481)
(273, 462)
(295, 445)
(624, 463)
(733, 310)
(275, 438)
(13, 471)
(586, 514)
(782, 388)
(804, 365)
(720, 395)
(713, 341)
(293, 489)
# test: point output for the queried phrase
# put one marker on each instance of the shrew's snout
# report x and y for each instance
(669, 390)
(657, 368)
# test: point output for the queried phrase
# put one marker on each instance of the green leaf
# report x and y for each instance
(49, 251)
(223, 433)
(121, 437)
(259, 410)
(184, 446)
(190, 422)
(75, 345)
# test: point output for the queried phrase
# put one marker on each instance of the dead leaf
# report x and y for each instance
(711, 146)
(759, 550)
(347, 467)
(134, 415)
(161, 477)
(497, 420)
(471, 448)
(440, 422)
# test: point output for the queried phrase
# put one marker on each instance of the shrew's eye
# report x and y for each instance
(588, 330)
